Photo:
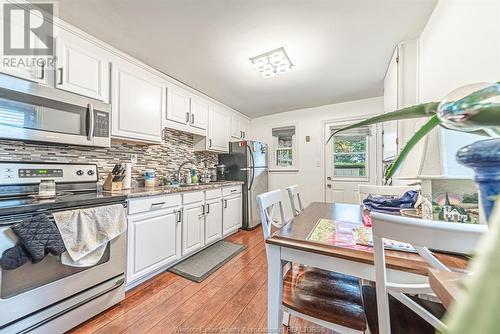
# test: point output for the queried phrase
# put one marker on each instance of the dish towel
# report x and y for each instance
(86, 232)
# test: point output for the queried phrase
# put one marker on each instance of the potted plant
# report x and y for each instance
(473, 109)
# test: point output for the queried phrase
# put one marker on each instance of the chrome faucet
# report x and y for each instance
(180, 167)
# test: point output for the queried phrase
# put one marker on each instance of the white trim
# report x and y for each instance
(295, 149)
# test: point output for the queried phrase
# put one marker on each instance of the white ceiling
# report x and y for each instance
(340, 48)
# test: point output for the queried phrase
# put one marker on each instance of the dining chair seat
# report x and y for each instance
(403, 319)
(325, 295)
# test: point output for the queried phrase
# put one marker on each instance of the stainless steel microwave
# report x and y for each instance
(38, 113)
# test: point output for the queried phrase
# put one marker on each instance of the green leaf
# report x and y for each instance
(488, 116)
(417, 111)
(421, 133)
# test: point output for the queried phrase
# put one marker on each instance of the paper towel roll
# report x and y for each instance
(127, 181)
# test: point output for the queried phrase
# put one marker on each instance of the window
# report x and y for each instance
(284, 146)
(350, 153)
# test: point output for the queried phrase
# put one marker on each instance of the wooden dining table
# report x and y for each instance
(293, 243)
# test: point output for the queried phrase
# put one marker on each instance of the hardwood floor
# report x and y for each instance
(232, 300)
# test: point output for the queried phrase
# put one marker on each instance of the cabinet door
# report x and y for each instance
(138, 104)
(213, 220)
(192, 228)
(232, 215)
(199, 113)
(245, 128)
(178, 105)
(218, 123)
(235, 127)
(80, 70)
(153, 242)
(390, 129)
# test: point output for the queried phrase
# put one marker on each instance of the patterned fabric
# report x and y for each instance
(14, 257)
(39, 237)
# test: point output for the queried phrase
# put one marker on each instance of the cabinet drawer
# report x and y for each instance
(213, 194)
(137, 205)
(228, 191)
(197, 196)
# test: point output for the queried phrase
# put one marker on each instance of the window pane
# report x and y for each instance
(349, 155)
(284, 142)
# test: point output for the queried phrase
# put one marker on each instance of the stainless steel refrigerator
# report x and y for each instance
(247, 161)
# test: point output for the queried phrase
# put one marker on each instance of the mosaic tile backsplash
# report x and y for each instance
(164, 158)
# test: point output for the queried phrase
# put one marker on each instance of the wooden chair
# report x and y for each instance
(295, 201)
(366, 190)
(395, 307)
(329, 299)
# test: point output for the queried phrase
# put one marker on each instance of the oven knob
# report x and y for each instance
(90, 172)
(79, 172)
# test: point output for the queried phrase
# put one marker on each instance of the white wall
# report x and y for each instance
(310, 122)
(460, 45)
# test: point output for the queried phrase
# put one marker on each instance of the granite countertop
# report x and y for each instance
(144, 192)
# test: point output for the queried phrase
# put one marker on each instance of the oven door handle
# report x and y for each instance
(90, 121)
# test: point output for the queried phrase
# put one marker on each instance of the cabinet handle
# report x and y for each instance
(192, 118)
(203, 209)
(157, 204)
(234, 190)
(178, 215)
(208, 209)
(210, 143)
(60, 75)
(187, 117)
(42, 75)
(225, 204)
(163, 134)
(244, 134)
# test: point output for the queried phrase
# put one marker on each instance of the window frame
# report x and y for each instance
(274, 167)
(367, 175)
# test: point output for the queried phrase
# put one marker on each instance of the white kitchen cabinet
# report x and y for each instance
(153, 241)
(231, 214)
(400, 90)
(192, 228)
(178, 105)
(213, 220)
(138, 104)
(80, 68)
(217, 139)
(240, 127)
(199, 113)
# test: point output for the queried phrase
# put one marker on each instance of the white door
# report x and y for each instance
(192, 228)
(178, 105)
(232, 215)
(218, 124)
(153, 242)
(235, 127)
(138, 104)
(350, 160)
(213, 220)
(199, 113)
(391, 93)
(80, 70)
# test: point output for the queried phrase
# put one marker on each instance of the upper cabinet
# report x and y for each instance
(240, 127)
(186, 112)
(217, 139)
(80, 68)
(400, 90)
(138, 99)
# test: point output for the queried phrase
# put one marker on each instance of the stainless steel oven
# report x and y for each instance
(35, 112)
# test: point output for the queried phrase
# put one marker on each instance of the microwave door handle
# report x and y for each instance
(90, 113)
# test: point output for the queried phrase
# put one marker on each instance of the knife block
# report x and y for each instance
(109, 185)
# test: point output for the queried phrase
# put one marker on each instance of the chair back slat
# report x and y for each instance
(267, 204)
(295, 200)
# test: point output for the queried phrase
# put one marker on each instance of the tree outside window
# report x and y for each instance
(350, 153)
(284, 146)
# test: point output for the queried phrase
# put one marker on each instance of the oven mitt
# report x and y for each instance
(14, 257)
(39, 236)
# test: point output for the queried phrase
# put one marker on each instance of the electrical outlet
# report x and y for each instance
(133, 158)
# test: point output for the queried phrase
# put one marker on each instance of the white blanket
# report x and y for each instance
(86, 232)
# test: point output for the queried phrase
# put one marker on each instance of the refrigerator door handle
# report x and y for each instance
(251, 167)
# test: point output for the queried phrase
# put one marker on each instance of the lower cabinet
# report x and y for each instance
(192, 228)
(213, 220)
(231, 214)
(153, 241)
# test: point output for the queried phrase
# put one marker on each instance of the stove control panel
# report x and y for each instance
(19, 173)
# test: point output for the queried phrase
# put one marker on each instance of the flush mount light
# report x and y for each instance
(271, 63)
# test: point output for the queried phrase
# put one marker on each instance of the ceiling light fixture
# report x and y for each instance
(271, 63)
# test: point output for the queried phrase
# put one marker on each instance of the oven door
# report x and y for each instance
(32, 287)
